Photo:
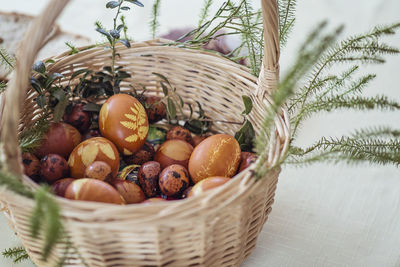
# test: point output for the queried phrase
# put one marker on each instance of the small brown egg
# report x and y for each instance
(154, 200)
(198, 139)
(61, 138)
(93, 190)
(145, 154)
(93, 149)
(207, 184)
(78, 118)
(155, 109)
(99, 170)
(53, 167)
(246, 159)
(173, 180)
(148, 178)
(60, 186)
(174, 152)
(31, 165)
(180, 133)
(218, 155)
(131, 192)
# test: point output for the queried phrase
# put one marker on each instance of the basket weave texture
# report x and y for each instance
(219, 228)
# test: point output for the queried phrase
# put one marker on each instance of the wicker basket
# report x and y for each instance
(219, 228)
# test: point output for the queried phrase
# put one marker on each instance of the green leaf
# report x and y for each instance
(125, 8)
(181, 101)
(163, 78)
(191, 112)
(114, 34)
(248, 105)
(201, 111)
(104, 32)
(50, 61)
(92, 107)
(136, 2)
(125, 43)
(79, 72)
(59, 110)
(245, 136)
(164, 88)
(41, 101)
(112, 4)
(36, 85)
(39, 66)
(171, 108)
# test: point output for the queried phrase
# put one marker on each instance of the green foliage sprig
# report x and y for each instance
(245, 135)
(287, 18)
(205, 11)
(154, 24)
(6, 59)
(16, 254)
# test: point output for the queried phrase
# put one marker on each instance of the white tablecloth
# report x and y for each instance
(323, 215)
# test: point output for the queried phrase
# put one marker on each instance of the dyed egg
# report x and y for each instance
(246, 159)
(61, 139)
(198, 139)
(93, 190)
(178, 132)
(131, 192)
(123, 120)
(148, 178)
(173, 180)
(154, 200)
(93, 149)
(155, 109)
(145, 154)
(31, 164)
(78, 118)
(53, 167)
(207, 184)
(174, 152)
(218, 155)
(186, 193)
(99, 170)
(61, 186)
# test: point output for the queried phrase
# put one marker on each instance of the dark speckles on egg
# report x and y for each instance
(180, 133)
(53, 167)
(31, 165)
(174, 180)
(148, 178)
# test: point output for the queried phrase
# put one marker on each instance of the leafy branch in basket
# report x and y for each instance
(17, 254)
(114, 36)
(245, 135)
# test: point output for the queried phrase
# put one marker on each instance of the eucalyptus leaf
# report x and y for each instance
(136, 2)
(114, 34)
(125, 8)
(104, 32)
(123, 74)
(125, 42)
(39, 66)
(120, 27)
(112, 4)
(171, 108)
(248, 105)
(36, 85)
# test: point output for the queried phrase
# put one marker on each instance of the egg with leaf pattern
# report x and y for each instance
(123, 121)
(93, 149)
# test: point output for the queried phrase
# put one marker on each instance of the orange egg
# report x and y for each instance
(207, 184)
(123, 120)
(93, 149)
(173, 152)
(218, 155)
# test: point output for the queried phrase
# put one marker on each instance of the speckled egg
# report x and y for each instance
(61, 138)
(148, 178)
(131, 192)
(145, 154)
(178, 132)
(155, 109)
(53, 167)
(174, 180)
(123, 120)
(60, 186)
(93, 149)
(174, 152)
(93, 190)
(78, 118)
(207, 184)
(31, 165)
(246, 159)
(218, 155)
(99, 170)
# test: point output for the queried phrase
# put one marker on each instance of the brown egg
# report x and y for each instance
(186, 193)
(93, 190)
(173, 180)
(61, 139)
(218, 155)
(60, 186)
(207, 184)
(148, 178)
(131, 192)
(198, 139)
(93, 149)
(180, 133)
(246, 159)
(123, 120)
(78, 118)
(174, 152)
(155, 109)
(99, 170)
(145, 154)
(53, 167)
(154, 200)
(31, 165)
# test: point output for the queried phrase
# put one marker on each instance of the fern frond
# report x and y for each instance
(205, 11)
(6, 59)
(377, 131)
(154, 24)
(14, 184)
(287, 17)
(31, 138)
(73, 48)
(17, 254)
(3, 86)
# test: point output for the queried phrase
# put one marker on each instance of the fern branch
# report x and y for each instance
(6, 59)
(17, 254)
(377, 131)
(287, 19)
(154, 24)
(205, 11)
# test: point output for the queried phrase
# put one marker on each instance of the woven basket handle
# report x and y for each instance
(33, 41)
(16, 91)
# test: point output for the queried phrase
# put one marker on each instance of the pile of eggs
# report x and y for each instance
(117, 163)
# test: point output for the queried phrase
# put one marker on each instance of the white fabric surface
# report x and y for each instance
(323, 215)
